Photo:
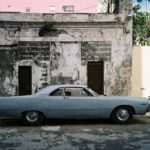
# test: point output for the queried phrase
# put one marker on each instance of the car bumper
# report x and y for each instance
(148, 107)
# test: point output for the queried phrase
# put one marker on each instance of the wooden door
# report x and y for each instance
(25, 80)
(96, 76)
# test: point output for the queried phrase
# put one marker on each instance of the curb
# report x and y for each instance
(147, 114)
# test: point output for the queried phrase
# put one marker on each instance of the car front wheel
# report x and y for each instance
(32, 118)
(122, 115)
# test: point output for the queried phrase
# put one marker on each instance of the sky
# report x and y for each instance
(145, 5)
(42, 6)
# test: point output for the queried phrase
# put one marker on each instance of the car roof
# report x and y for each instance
(51, 88)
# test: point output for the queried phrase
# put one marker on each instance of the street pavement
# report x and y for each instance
(76, 135)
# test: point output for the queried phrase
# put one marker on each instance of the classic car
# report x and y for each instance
(71, 101)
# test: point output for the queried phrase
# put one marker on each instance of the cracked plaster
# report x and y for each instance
(62, 61)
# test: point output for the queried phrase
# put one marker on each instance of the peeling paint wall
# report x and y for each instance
(65, 63)
(7, 83)
(61, 56)
(31, 54)
(35, 55)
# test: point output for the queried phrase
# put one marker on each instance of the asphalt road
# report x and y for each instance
(76, 135)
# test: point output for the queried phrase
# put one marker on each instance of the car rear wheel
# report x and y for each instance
(32, 118)
(122, 115)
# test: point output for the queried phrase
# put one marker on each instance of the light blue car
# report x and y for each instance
(71, 101)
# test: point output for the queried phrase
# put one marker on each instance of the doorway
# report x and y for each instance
(96, 76)
(25, 80)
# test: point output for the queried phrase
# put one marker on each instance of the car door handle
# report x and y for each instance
(66, 97)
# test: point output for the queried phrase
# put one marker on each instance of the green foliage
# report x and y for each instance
(141, 31)
(47, 29)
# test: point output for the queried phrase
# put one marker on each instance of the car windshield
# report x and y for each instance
(93, 92)
(44, 90)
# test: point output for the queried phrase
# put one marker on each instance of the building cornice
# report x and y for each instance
(61, 18)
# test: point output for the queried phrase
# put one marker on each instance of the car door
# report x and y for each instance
(78, 102)
(54, 104)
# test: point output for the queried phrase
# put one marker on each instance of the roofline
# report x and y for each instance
(61, 17)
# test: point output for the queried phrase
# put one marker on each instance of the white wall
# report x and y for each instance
(141, 71)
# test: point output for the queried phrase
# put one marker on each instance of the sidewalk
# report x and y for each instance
(147, 114)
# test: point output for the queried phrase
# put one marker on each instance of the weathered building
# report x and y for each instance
(41, 49)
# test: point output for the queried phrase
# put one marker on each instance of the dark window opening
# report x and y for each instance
(68, 8)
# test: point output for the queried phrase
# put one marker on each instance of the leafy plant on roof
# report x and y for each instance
(47, 29)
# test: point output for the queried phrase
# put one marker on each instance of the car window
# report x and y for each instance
(87, 92)
(57, 92)
(93, 92)
(77, 92)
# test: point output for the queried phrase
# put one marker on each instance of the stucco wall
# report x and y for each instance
(61, 57)
(141, 71)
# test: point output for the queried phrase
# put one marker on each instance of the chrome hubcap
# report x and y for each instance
(123, 115)
(32, 116)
